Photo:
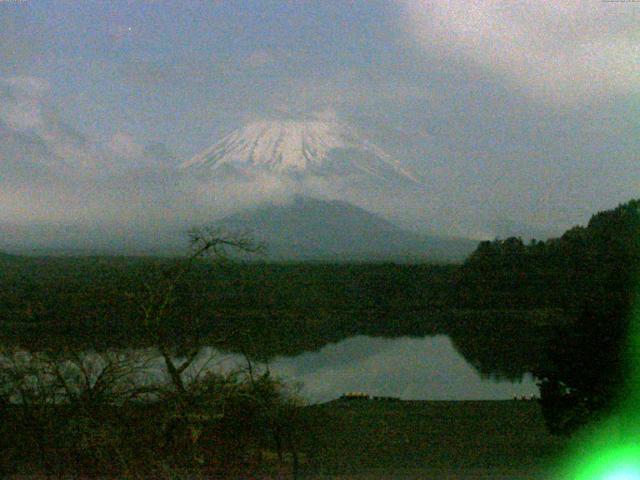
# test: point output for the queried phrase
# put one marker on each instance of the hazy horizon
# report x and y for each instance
(517, 118)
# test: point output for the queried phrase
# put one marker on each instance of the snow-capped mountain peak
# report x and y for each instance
(317, 146)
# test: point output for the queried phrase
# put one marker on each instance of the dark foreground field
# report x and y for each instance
(424, 440)
(358, 439)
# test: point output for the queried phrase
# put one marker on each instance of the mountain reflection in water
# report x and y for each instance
(409, 368)
(426, 368)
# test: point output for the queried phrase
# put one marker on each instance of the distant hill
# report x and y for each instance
(304, 229)
(8, 258)
(313, 229)
(71, 240)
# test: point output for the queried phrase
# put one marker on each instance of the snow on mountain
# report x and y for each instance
(298, 148)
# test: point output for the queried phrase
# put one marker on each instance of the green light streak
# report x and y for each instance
(610, 450)
(606, 462)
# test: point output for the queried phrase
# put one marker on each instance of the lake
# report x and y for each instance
(428, 368)
(409, 368)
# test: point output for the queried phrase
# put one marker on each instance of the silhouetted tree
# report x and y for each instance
(156, 303)
(586, 365)
(585, 370)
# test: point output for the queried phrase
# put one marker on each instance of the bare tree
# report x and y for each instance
(64, 401)
(157, 305)
(157, 300)
(30, 388)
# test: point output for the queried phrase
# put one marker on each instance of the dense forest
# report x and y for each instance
(585, 264)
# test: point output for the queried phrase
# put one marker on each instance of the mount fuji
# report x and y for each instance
(336, 185)
(300, 149)
(313, 229)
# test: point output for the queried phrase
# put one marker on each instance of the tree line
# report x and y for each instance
(590, 273)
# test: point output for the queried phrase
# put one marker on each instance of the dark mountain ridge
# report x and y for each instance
(314, 229)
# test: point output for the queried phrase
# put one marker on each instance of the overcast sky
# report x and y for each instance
(526, 111)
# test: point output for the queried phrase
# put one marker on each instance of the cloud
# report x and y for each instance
(38, 139)
(125, 145)
(345, 91)
(21, 101)
(28, 86)
(260, 58)
(561, 51)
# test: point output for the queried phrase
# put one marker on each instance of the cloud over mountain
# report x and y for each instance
(51, 172)
(35, 139)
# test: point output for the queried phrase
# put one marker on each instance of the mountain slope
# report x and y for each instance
(309, 228)
(297, 149)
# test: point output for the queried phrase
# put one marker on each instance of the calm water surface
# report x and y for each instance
(427, 368)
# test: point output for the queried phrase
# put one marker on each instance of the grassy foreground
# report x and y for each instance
(440, 440)
(368, 439)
